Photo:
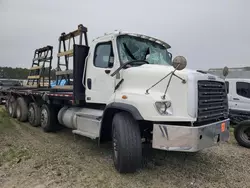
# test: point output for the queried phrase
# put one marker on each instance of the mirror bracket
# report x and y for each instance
(179, 63)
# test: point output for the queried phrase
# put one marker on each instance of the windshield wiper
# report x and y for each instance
(140, 62)
(147, 52)
(129, 52)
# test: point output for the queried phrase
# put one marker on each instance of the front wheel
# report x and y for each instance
(127, 147)
(242, 133)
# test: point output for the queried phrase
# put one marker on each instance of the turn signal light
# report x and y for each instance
(124, 97)
(223, 127)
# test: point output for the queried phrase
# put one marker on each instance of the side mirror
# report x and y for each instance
(225, 71)
(170, 56)
(179, 63)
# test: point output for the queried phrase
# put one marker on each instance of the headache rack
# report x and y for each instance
(66, 50)
(40, 71)
(212, 102)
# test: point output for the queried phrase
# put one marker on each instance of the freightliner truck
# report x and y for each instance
(124, 88)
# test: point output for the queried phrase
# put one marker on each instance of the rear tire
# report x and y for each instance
(11, 106)
(127, 147)
(242, 133)
(34, 115)
(22, 110)
(48, 118)
(6, 105)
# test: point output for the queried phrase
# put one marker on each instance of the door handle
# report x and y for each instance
(107, 71)
(236, 99)
(89, 83)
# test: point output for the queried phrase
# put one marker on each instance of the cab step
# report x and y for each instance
(86, 134)
(88, 123)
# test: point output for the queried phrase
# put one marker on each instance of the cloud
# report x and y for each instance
(209, 33)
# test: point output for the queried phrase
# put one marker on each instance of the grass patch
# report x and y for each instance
(4, 121)
(13, 155)
(9, 153)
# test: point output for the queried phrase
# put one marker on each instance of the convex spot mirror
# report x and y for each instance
(225, 71)
(179, 63)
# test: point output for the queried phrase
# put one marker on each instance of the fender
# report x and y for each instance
(109, 112)
(124, 107)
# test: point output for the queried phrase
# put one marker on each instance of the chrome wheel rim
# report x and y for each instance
(31, 115)
(18, 111)
(10, 108)
(44, 117)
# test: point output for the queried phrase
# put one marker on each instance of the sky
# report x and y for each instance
(209, 33)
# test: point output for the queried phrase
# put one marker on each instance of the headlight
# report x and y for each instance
(162, 107)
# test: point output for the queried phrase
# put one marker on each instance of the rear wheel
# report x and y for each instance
(127, 147)
(21, 110)
(48, 118)
(11, 106)
(6, 104)
(242, 133)
(34, 115)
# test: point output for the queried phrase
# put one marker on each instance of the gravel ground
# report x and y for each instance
(31, 158)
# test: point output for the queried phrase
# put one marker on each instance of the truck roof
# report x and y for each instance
(118, 33)
(238, 79)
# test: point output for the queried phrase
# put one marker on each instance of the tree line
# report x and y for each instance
(18, 73)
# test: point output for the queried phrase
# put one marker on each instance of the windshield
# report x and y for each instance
(135, 48)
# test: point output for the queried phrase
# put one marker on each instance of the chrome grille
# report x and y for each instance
(212, 101)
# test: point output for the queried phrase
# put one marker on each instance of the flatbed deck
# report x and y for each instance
(50, 92)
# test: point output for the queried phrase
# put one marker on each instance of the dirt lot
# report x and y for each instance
(31, 158)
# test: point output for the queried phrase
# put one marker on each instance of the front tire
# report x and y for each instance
(127, 147)
(242, 133)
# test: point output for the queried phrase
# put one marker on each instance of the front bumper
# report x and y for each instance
(189, 139)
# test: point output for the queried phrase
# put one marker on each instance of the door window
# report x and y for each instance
(103, 53)
(243, 89)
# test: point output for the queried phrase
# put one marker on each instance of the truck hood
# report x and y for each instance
(183, 96)
(162, 70)
(143, 77)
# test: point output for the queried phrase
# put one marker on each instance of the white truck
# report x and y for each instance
(126, 89)
(238, 90)
(239, 99)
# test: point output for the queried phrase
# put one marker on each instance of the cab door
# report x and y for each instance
(242, 96)
(99, 84)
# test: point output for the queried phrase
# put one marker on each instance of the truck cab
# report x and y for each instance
(149, 61)
(109, 52)
(133, 76)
